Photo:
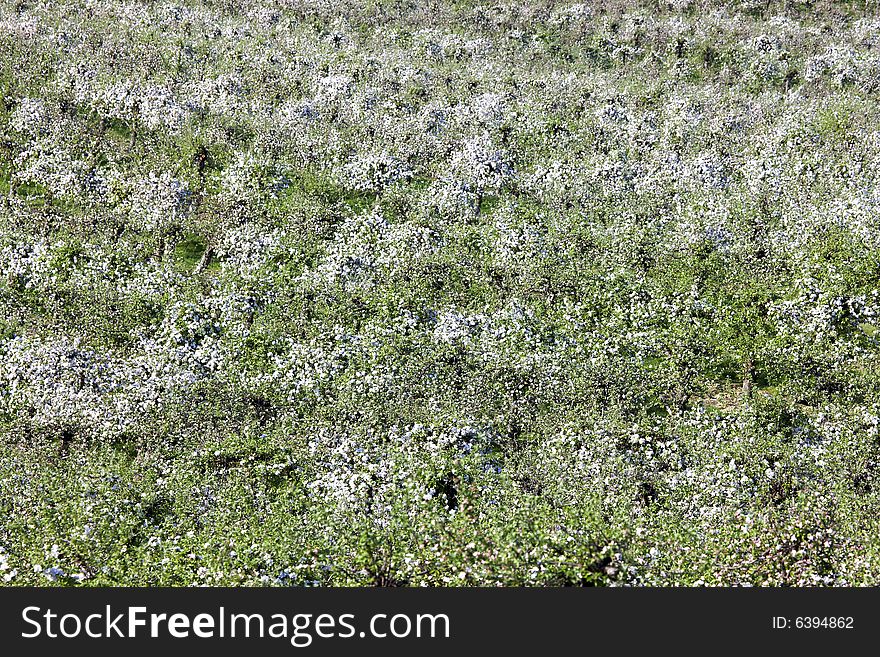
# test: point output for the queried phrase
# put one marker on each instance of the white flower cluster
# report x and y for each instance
(58, 169)
(452, 326)
(25, 265)
(374, 172)
(303, 370)
(62, 385)
(6, 571)
(839, 63)
(381, 474)
(481, 164)
(155, 201)
(246, 249)
(30, 116)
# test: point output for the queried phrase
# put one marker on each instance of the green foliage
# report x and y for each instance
(189, 251)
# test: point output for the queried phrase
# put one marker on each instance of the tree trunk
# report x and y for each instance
(205, 261)
(748, 371)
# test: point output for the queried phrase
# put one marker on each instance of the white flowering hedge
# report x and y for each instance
(455, 293)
